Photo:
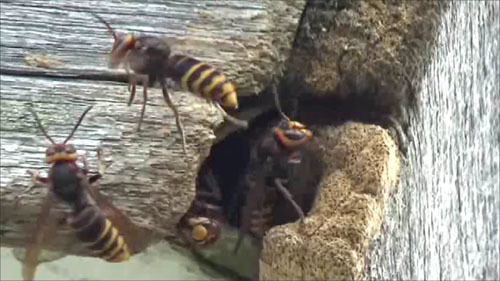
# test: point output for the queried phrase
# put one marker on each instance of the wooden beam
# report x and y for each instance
(241, 38)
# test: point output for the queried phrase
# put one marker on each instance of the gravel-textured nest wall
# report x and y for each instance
(353, 61)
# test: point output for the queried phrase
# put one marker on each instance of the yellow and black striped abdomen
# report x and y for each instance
(200, 78)
(102, 237)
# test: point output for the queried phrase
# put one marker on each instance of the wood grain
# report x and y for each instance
(241, 38)
(54, 56)
(149, 177)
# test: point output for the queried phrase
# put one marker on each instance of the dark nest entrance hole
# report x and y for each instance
(361, 97)
(229, 162)
(358, 99)
(363, 101)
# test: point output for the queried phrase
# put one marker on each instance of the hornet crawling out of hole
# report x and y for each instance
(150, 60)
(107, 232)
(275, 158)
(201, 225)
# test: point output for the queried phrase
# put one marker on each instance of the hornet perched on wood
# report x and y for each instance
(104, 229)
(150, 60)
(273, 158)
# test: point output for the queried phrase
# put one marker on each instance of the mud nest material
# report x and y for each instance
(362, 167)
(385, 39)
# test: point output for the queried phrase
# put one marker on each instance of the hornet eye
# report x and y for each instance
(49, 151)
(294, 135)
(70, 149)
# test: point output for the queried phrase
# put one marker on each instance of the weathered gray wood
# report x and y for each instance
(237, 37)
(149, 177)
(443, 221)
(53, 54)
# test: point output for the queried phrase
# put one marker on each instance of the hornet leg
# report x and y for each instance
(131, 87)
(145, 83)
(178, 122)
(289, 197)
(132, 81)
(35, 180)
(101, 165)
(85, 162)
